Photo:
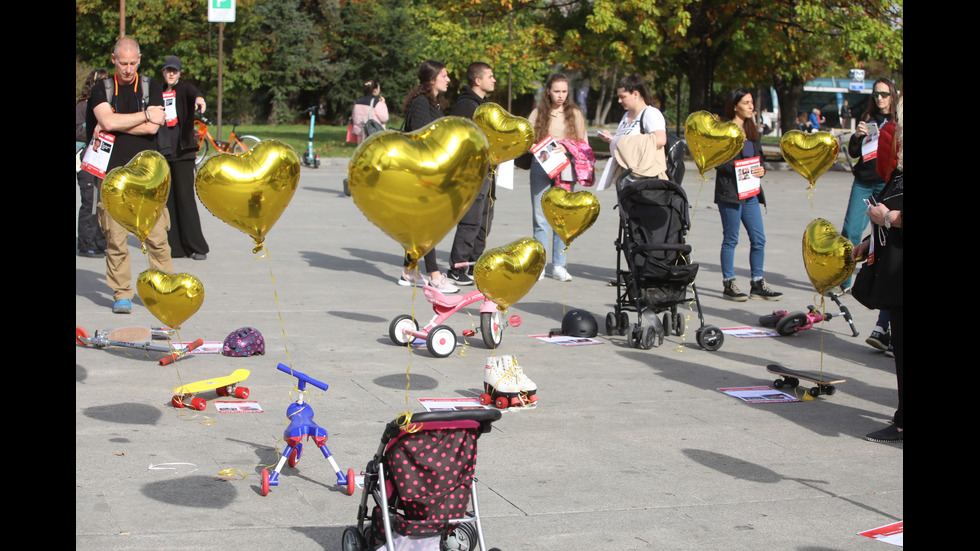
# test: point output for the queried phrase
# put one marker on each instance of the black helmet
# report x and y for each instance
(579, 323)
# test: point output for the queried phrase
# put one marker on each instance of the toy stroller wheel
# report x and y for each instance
(791, 323)
(624, 323)
(771, 320)
(441, 341)
(241, 392)
(199, 404)
(634, 336)
(485, 399)
(80, 334)
(351, 485)
(462, 537)
(668, 326)
(492, 328)
(294, 457)
(501, 402)
(611, 328)
(353, 540)
(710, 338)
(396, 331)
(265, 482)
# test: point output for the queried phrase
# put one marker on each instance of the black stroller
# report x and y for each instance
(421, 480)
(653, 223)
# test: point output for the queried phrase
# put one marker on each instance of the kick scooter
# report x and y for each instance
(309, 158)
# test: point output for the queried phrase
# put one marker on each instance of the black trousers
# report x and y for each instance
(90, 236)
(185, 235)
(470, 240)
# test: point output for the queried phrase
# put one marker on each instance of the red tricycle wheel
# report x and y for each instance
(351, 486)
(294, 457)
(265, 482)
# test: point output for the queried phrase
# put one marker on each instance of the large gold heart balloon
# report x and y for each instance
(507, 273)
(417, 186)
(711, 141)
(809, 154)
(826, 255)
(172, 298)
(569, 214)
(250, 191)
(509, 136)
(135, 194)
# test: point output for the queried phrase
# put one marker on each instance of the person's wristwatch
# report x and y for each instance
(888, 224)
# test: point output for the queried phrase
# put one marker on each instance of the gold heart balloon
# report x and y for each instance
(826, 255)
(569, 214)
(172, 298)
(251, 190)
(809, 154)
(507, 273)
(711, 141)
(509, 136)
(416, 187)
(135, 194)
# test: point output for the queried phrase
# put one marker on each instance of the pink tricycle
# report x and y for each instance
(441, 339)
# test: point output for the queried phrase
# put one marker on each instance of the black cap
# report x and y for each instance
(172, 61)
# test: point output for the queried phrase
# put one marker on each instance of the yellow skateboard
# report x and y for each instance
(223, 386)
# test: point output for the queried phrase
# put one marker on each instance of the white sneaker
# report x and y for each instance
(443, 286)
(561, 274)
(409, 279)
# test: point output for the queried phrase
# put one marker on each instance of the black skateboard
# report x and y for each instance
(792, 379)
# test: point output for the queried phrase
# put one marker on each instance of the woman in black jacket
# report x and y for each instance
(179, 145)
(742, 208)
(423, 105)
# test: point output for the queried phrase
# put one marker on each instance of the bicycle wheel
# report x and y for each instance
(202, 153)
(244, 143)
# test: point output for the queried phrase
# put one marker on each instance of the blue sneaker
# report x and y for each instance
(122, 306)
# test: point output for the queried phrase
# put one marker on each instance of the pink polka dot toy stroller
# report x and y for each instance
(421, 480)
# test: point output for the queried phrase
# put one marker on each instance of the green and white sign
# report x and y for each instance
(221, 11)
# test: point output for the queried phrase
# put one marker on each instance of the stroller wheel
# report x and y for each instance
(649, 338)
(462, 537)
(710, 338)
(624, 323)
(353, 540)
(678, 325)
(611, 327)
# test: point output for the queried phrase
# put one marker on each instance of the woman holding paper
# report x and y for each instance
(557, 116)
(739, 196)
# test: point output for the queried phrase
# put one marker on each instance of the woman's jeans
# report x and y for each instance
(733, 216)
(540, 183)
(856, 216)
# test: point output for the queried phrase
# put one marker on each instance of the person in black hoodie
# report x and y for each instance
(471, 233)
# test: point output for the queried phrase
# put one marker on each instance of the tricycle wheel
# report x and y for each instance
(265, 482)
(492, 328)
(441, 341)
(402, 323)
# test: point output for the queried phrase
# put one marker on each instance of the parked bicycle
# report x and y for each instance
(208, 145)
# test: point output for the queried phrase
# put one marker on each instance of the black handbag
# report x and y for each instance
(864, 286)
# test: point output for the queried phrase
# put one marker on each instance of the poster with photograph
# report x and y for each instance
(748, 185)
(550, 160)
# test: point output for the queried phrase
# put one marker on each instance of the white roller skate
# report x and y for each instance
(505, 384)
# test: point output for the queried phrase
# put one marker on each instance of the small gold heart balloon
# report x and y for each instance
(416, 187)
(251, 190)
(509, 136)
(711, 141)
(135, 194)
(507, 273)
(809, 154)
(826, 255)
(569, 214)
(172, 298)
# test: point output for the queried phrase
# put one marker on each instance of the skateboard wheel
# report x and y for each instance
(830, 390)
(241, 392)
(778, 383)
(177, 401)
(221, 391)
(815, 391)
(199, 404)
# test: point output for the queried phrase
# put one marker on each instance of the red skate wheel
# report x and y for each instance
(241, 392)
(199, 404)
(177, 401)
(221, 391)
(485, 399)
(501, 402)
